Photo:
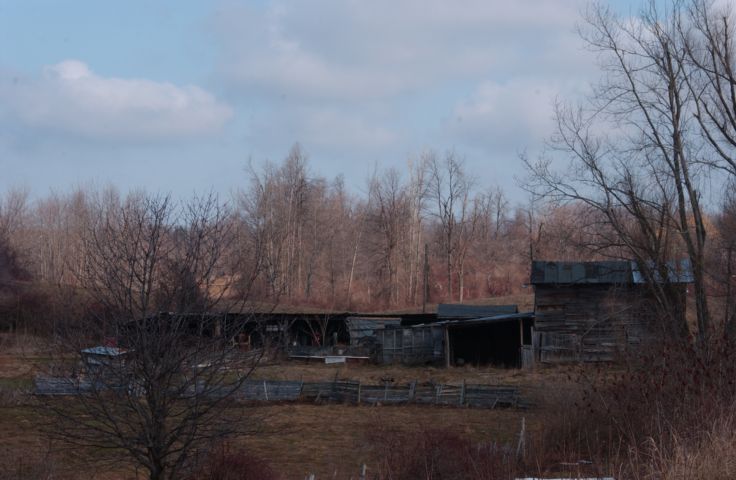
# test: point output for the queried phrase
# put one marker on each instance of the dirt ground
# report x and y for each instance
(331, 441)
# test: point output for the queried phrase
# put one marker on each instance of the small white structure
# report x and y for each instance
(97, 359)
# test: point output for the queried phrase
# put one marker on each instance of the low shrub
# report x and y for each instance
(227, 464)
(439, 454)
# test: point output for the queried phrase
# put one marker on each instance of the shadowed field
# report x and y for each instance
(330, 440)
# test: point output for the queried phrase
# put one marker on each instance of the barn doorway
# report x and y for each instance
(496, 343)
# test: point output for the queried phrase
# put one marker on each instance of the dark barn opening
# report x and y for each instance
(496, 343)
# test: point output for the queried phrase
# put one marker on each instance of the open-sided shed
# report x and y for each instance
(502, 340)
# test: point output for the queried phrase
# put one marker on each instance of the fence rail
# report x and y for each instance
(338, 391)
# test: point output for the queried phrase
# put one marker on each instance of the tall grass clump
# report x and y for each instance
(439, 454)
(666, 413)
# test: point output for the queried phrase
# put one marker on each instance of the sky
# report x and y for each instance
(181, 96)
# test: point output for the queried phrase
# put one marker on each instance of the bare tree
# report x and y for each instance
(707, 36)
(164, 385)
(450, 189)
(387, 218)
(414, 246)
(641, 181)
(13, 212)
(723, 261)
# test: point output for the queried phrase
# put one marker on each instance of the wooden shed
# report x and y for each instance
(414, 345)
(592, 311)
(502, 340)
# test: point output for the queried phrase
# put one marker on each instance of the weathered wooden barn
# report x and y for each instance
(593, 311)
(458, 334)
(484, 334)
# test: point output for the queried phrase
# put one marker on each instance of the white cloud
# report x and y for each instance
(70, 99)
(403, 73)
(500, 115)
(351, 50)
(324, 129)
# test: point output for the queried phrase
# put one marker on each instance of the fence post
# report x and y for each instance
(363, 468)
(462, 393)
(522, 434)
(265, 390)
(359, 383)
(412, 390)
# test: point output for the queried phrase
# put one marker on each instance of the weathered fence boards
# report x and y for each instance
(60, 386)
(338, 391)
(270, 390)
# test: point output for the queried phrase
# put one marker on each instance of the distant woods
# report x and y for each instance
(644, 153)
(290, 236)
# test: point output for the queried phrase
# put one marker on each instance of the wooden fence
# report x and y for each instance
(340, 391)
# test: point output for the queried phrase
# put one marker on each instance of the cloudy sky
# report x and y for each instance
(178, 96)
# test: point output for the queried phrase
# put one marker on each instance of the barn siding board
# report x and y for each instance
(588, 322)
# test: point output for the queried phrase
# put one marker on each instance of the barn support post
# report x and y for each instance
(448, 360)
(521, 343)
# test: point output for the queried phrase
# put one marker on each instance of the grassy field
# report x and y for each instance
(331, 441)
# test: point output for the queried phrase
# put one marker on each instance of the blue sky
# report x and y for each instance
(180, 96)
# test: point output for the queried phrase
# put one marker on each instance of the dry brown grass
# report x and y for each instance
(295, 439)
(20, 356)
(711, 458)
(301, 438)
(333, 441)
(369, 373)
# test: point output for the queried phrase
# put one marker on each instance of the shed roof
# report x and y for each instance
(487, 320)
(447, 311)
(603, 272)
(677, 272)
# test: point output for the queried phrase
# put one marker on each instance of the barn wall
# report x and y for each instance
(589, 322)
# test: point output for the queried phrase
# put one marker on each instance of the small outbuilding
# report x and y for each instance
(459, 334)
(594, 311)
(501, 340)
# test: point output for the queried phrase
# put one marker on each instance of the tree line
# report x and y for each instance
(649, 154)
(290, 236)
(293, 237)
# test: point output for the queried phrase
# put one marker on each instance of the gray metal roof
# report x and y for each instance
(677, 272)
(446, 311)
(486, 320)
(604, 272)
(581, 272)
